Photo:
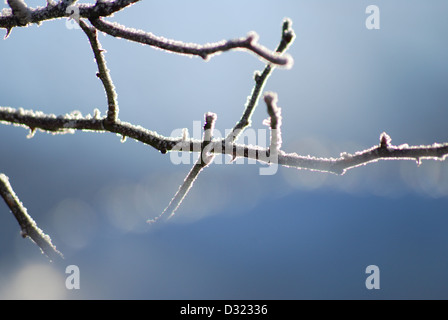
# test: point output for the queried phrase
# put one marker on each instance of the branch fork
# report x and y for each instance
(204, 159)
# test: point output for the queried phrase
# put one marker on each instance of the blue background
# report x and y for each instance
(238, 235)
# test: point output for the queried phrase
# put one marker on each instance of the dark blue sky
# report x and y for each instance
(238, 235)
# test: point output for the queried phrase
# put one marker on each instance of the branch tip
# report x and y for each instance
(271, 98)
(8, 32)
(257, 76)
(28, 227)
(274, 122)
(32, 133)
(252, 38)
(210, 119)
(288, 32)
(385, 140)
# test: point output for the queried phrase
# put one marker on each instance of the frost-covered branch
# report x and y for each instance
(204, 159)
(56, 10)
(69, 123)
(346, 161)
(75, 121)
(287, 38)
(21, 15)
(27, 225)
(206, 51)
(274, 122)
(103, 72)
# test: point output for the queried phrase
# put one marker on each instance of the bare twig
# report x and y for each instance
(287, 39)
(204, 51)
(436, 151)
(69, 123)
(27, 225)
(274, 122)
(103, 74)
(205, 158)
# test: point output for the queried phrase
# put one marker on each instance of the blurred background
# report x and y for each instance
(238, 235)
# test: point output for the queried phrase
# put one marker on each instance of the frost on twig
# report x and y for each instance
(383, 151)
(287, 38)
(34, 120)
(103, 72)
(274, 122)
(28, 227)
(205, 158)
(69, 123)
(206, 51)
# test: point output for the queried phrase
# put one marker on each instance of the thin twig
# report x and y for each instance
(436, 151)
(203, 161)
(287, 39)
(103, 72)
(204, 51)
(27, 225)
(275, 122)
